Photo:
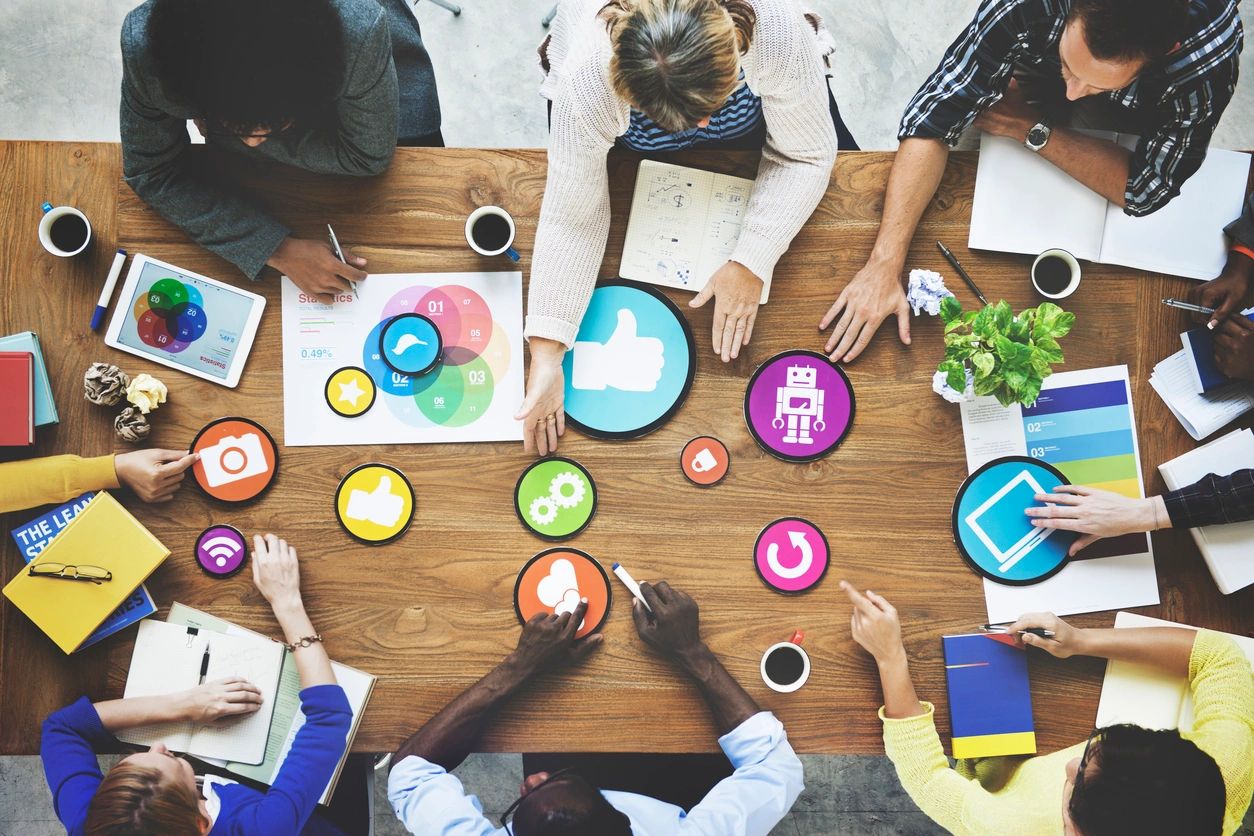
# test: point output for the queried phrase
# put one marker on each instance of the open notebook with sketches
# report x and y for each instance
(684, 225)
(169, 657)
(1026, 204)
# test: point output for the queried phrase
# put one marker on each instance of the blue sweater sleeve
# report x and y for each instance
(308, 767)
(67, 748)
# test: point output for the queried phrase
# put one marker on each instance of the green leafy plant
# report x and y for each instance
(1008, 356)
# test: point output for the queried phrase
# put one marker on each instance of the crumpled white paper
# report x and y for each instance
(925, 291)
(940, 387)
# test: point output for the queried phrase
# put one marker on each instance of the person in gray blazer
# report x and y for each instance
(329, 86)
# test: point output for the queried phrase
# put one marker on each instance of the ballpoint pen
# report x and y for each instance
(1188, 306)
(339, 253)
(1039, 632)
(963, 273)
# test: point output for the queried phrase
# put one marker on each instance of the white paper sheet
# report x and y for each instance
(1200, 415)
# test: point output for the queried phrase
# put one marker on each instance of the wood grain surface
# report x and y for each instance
(432, 612)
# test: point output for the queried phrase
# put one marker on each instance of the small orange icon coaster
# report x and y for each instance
(552, 583)
(705, 460)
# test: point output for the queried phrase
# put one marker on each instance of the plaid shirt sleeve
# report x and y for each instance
(1213, 500)
(971, 76)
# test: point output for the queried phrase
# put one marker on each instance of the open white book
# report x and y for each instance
(684, 225)
(288, 718)
(1026, 204)
(1199, 414)
(171, 657)
(1146, 696)
(1227, 549)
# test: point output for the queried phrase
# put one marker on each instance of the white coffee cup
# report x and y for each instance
(704, 461)
(793, 645)
(508, 248)
(1068, 259)
(51, 213)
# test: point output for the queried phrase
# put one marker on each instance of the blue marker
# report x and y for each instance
(106, 293)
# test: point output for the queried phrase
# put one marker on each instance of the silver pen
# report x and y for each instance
(1040, 632)
(1188, 306)
(339, 253)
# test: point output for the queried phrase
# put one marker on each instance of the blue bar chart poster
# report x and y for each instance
(1083, 424)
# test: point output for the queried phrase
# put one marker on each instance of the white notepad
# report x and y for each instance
(167, 658)
(1227, 549)
(1199, 414)
(684, 225)
(1026, 204)
(1145, 696)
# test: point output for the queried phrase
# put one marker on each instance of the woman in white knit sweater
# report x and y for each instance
(662, 75)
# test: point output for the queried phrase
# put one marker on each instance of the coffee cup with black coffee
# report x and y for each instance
(490, 231)
(786, 665)
(1055, 274)
(63, 230)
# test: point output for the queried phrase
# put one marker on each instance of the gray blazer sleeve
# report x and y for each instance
(156, 164)
(1241, 231)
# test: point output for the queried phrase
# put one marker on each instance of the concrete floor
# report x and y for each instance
(59, 78)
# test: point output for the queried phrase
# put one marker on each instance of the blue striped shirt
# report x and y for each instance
(1184, 93)
(741, 114)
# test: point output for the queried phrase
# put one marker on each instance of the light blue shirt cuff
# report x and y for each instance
(753, 740)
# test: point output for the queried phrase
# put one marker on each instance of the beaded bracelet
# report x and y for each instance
(306, 641)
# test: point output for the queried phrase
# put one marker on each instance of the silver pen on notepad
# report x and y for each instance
(1188, 306)
(339, 253)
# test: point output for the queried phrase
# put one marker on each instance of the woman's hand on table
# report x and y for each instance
(153, 475)
(276, 573)
(736, 291)
(314, 268)
(1096, 513)
(544, 420)
(221, 698)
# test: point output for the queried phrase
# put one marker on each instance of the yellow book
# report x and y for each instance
(103, 534)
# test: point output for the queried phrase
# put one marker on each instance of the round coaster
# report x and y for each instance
(238, 459)
(632, 363)
(704, 460)
(799, 406)
(221, 551)
(791, 555)
(555, 498)
(553, 581)
(410, 344)
(350, 391)
(993, 534)
(374, 503)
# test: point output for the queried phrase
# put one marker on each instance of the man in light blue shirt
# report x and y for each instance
(766, 782)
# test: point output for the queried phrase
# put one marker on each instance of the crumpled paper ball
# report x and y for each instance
(132, 425)
(942, 388)
(105, 384)
(926, 290)
(146, 393)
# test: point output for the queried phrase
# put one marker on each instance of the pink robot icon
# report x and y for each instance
(799, 402)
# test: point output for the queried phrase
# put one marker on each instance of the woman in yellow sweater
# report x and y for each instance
(1125, 779)
(153, 475)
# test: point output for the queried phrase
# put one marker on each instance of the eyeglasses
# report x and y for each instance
(1084, 758)
(554, 777)
(91, 574)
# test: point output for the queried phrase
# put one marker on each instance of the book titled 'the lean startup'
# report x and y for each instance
(990, 703)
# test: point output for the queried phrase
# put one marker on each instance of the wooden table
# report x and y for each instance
(432, 612)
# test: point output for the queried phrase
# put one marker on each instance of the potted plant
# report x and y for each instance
(994, 352)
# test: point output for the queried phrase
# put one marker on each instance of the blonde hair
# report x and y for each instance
(135, 800)
(677, 60)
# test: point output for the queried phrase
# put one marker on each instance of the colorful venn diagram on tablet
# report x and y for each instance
(457, 389)
(171, 315)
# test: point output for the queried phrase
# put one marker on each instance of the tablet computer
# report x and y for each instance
(185, 321)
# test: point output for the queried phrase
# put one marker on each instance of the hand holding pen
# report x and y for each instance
(1062, 640)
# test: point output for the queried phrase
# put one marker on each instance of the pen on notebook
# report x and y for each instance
(1188, 306)
(630, 583)
(106, 292)
(204, 666)
(963, 273)
(339, 253)
(1039, 632)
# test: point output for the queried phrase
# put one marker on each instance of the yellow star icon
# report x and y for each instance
(351, 392)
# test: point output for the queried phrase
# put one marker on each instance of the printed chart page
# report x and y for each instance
(1082, 424)
(470, 395)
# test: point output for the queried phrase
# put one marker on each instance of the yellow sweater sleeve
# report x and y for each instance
(1223, 717)
(957, 804)
(25, 484)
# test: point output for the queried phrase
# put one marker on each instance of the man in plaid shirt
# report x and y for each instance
(1166, 68)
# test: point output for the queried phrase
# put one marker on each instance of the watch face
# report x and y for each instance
(1038, 135)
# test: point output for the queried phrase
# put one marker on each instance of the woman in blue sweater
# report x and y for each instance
(156, 791)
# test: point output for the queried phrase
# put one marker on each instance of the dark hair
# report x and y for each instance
(584, 811)
(249, 63)
(1148, 782)
(134, 800)
(1130, 30)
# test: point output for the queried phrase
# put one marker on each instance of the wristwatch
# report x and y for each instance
(1037, 136)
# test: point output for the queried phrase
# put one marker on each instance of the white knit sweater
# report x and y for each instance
(784, 66)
